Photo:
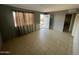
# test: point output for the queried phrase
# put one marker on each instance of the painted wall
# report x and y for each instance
(58, 21)
(72, 22)
(76, 36)
(75, 26)
(6, 23)
(37, 20)
(51, 21)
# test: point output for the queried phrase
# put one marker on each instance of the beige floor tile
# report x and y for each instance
(41, 42)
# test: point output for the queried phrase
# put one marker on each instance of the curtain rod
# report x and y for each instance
(20, 10)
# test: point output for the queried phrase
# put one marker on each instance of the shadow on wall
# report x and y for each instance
(51, 21)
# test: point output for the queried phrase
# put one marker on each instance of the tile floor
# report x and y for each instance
(42, 42)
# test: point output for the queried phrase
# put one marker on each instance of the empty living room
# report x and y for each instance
(39, 29)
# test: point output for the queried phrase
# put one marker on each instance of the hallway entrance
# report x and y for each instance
(44, 21)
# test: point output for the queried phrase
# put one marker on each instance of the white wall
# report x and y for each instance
(76, 36)
(72, 23)
(75, 25)
(59, 19)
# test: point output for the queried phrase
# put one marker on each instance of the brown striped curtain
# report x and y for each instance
(24, 22)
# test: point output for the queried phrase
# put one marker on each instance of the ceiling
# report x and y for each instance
(46, 7)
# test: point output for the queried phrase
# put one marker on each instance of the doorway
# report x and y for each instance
(44, 21)
(67, 22)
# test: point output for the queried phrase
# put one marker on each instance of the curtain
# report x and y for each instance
(24, 22)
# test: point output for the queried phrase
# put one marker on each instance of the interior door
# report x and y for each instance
(67, 22)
